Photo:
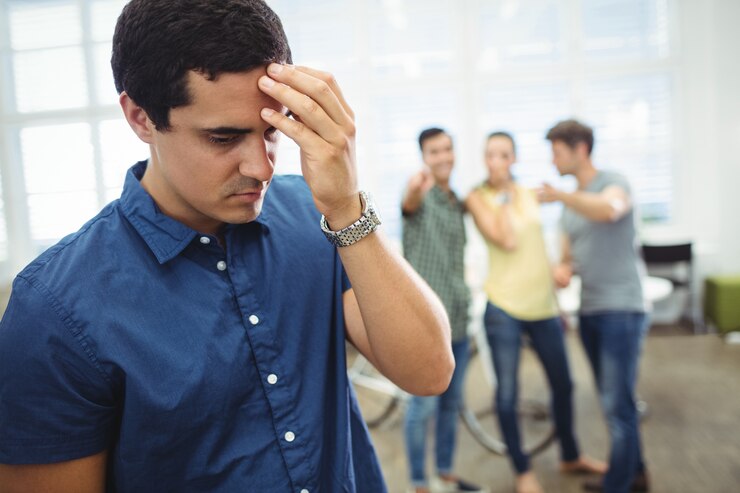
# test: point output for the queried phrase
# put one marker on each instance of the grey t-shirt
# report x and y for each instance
(605, 255)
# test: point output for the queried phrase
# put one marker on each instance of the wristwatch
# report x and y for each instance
(366, 224)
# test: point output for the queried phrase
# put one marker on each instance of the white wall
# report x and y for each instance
(707, 144)
(726, 48)
(708, 138)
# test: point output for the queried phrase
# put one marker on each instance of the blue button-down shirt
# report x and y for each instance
(199, 369)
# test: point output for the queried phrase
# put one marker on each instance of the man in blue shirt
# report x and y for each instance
(191, 336)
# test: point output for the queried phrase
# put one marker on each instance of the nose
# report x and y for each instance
(256, 160)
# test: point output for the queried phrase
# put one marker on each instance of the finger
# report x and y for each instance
(331, 81)
(310, 113)
(319, 86)
(306, 138)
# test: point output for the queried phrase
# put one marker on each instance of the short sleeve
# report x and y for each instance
(55, 403)
(618, 180)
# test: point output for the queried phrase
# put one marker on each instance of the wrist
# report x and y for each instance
(366, 223)
(563, 197)
(344, 215)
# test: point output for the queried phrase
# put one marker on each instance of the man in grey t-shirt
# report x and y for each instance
(599, 244)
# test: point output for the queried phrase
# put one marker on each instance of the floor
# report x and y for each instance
(691, 432)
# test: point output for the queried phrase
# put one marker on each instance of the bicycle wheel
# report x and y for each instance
(478, 413)
(378, 397)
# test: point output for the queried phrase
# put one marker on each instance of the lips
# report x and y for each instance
(248, 196)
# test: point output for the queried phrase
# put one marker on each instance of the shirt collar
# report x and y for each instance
(443, 195)
(166, 237)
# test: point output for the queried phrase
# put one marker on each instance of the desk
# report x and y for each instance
(654, 289)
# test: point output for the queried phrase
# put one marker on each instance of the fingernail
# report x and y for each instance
(267, 112)
(274, 68)
(266, 81)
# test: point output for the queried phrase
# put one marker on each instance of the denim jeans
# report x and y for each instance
(505, 335)
(446, 406)
(613, 342)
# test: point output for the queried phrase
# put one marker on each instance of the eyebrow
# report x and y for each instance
(228, 130)
(235, 130)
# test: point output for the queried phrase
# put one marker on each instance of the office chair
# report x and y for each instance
(675, 263)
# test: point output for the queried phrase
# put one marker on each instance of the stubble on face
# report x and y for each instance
(215, 163)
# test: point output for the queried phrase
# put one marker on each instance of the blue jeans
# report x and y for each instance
(613, 342)
(446, 406)
(505, 335)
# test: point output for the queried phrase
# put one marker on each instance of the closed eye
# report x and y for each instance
(223, 140)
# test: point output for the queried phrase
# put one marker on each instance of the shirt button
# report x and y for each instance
(272, 379)
(205, 240)
(221, 265)
(254, 319)
(304, 490)
(289, 436)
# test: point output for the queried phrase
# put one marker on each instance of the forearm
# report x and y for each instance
(496, 226)
(405, 324)
(504, 233)
(412, 200)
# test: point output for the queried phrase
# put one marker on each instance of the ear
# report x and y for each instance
(582, 150)
(137, 118)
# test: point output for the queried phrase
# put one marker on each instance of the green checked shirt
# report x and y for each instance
(434, 244)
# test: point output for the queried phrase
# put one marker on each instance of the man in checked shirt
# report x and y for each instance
(434, 244)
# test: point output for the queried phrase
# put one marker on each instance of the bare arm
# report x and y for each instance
(495, 225)
(609, 205)
(395, 320)
(392, 315)
(86, 475)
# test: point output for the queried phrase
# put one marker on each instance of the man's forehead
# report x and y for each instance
(231, 95)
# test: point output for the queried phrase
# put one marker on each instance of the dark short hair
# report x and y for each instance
(507, 135)
(429, 133)
(572, 132)
(157, 42)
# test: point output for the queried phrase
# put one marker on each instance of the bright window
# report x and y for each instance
(472, 67)
(475, 67)
(61, 117)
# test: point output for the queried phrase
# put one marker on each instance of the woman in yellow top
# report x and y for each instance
(521, 302)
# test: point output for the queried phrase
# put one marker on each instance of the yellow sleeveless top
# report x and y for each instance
(520, 281)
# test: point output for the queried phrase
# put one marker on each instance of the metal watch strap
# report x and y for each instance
(366, 224)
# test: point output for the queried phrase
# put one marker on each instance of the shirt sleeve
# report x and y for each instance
(618, 180)
(56, 403)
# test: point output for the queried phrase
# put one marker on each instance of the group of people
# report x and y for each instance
(598, 242)
(191, 336)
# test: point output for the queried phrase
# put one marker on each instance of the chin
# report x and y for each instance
(444, 175)
(244, 214)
